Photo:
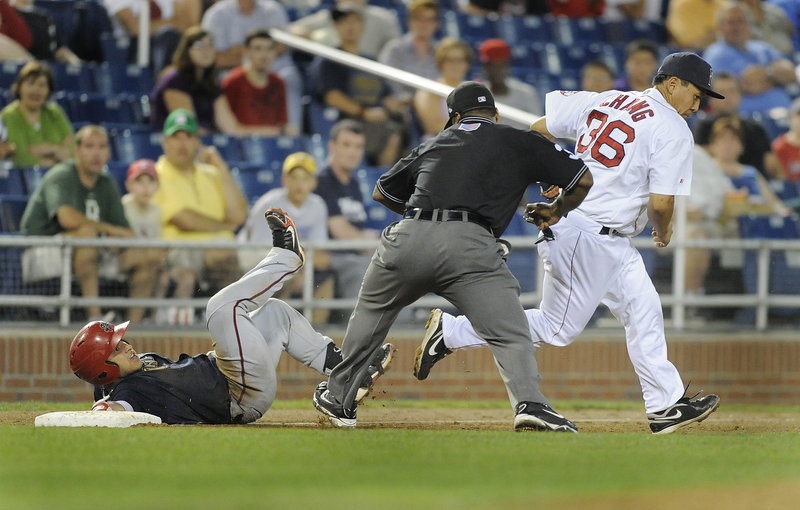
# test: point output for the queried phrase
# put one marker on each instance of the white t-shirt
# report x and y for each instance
(311, 219)
(114, 6)
(634, 143)
(230, 25)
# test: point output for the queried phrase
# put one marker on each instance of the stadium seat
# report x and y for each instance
(117, 76)
(93, 23)
(521, 30)
(367, 177)
(118, 170)
(378, 216)
(526, 55)
(128, 146)
(73, 78)
(228, 147)
(578, 31)
(33, 176)
(788, 192)
(557, 58)
(102, 108)
(65, 16)
(774, 124)
(321, 118)
(255, 180)
(12, 181)
(114, 50)
(629, 30)
(471, 28)
(11, 209)
(264, 151)
(317, 146)
(9, 69)
(68, 101)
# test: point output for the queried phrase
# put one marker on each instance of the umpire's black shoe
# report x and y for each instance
(538, 416)
(682, 413)
(330, 407)
(284, 232)
(432, 348)
(377, 367)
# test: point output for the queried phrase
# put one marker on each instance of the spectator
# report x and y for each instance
(495, 55)
(347, 216)
(692, 23)
(787, 146)
(577, 8)
(596, 76)
(792, 10)
(190, 83)
(310, 216)
(47, 43)
(621, 10)
(360, 95)
(199, 201)
(770, 24)
(229, 22)
(641, 62)
(380, 26)
(13, 28)
(7, 149)
(76, 199)
(257, 97)
(705, 204)
(757, 152)
(726, 146)
(454, 60)
(414, 51)
(144, 218)
(168, 20)
(761, 69)
(39, 129)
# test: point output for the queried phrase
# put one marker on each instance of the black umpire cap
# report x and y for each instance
(690, 67)
(469, 95)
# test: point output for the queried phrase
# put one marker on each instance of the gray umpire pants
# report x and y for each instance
(459, 261)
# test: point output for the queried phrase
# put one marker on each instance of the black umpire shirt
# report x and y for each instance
(481, 167)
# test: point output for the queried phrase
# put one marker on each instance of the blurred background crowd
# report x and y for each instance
(222, 122)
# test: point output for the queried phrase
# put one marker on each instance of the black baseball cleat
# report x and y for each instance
(377, 367)
(284, 232)
(682, 413)
(538, 416)
(432, 348)
(330, 407)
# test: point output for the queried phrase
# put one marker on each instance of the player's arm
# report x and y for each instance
(660, 209)
(540, 126)
(103, 405)
(390, 204)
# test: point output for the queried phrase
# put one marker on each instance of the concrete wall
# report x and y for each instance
(741, 368)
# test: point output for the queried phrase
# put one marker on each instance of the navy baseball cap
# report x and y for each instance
(469, 95)
(690, 67)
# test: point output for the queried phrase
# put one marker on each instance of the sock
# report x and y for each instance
(332, 358)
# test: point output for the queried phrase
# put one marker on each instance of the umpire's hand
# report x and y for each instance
(543, 214)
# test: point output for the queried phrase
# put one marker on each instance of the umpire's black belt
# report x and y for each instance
(415, 213)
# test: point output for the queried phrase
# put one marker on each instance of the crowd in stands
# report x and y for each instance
(226, 122)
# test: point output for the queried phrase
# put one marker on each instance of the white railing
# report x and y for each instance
(762, 300)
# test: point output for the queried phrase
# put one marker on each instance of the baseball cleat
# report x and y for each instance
(682, 413)
(377, 366)
(284, 232)
(432, 348)
(328, 405)
(538, 416)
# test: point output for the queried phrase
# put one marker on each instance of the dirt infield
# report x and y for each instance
(587, 420)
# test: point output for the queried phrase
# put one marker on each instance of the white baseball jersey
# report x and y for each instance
(605, 126)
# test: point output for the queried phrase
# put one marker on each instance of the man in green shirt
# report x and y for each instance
(76, 199)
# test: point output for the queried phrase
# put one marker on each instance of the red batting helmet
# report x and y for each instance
(90, 349)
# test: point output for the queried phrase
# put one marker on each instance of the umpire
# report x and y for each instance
(457, 193)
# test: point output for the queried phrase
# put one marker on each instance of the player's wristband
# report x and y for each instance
(101, 406)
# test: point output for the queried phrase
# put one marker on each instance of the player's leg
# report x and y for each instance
(634, 301)
(244, 354)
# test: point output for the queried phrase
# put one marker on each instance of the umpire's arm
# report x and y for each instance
(378, 196)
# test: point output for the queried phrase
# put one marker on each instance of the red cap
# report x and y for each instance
(494, 50)
(142, 166)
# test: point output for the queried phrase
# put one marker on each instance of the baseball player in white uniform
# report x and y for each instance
(639, 150)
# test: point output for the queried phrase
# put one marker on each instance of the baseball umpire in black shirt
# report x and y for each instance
(457, 193)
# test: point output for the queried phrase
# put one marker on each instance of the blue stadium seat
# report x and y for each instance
(12, 181)
(128, 146)
(471, 28)
(788, 192)
(614, 56)
(33, 176)
(117, 76)
(321, 117)
(263, 151)
(557, 58)
(578, 31)
(118, 170)
(317, 146)
(11, 209)
(775, 125)
(114, 50)
(367, 177)
(526, 55)
(378, 216)
(68, 101)
(784, 278)
(73, 78)
(521, 30)
(228, 147)
(102, 108)
(629, 30)
(255, 180)
(9, 69)
(64, 15)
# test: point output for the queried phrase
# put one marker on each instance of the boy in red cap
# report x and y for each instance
(495, 55)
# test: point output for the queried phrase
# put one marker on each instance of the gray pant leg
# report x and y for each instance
(350, 269)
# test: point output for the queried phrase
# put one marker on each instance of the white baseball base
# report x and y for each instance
(113, 419)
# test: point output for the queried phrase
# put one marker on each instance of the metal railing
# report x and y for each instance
(677, 300)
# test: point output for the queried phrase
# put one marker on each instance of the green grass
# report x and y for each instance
(249, 467)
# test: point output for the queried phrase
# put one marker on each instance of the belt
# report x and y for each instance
(606, 231)
(415, 213)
